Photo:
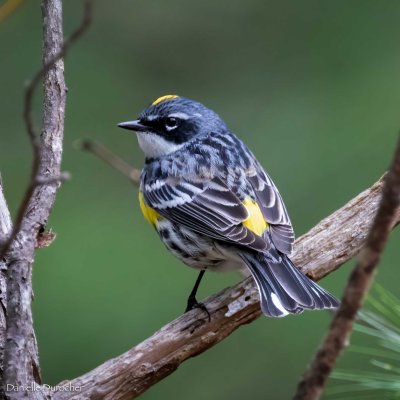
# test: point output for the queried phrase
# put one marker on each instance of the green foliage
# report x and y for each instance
(381, 323)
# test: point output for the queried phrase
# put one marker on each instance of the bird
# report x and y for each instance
(214, 206)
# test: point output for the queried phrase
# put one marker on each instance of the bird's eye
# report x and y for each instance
(171, 123)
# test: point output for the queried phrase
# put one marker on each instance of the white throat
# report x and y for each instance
(154, 146)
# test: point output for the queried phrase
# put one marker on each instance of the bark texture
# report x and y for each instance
(21, 365)
(349, 227)
(5, 230)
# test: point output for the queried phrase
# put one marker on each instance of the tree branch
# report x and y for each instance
(110, 158)
(314, 380)
(21, 366)
(8, 8)
(5, 229)
(130, 374)
(53, 52)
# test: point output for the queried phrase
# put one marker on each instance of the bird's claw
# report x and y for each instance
(193, 303)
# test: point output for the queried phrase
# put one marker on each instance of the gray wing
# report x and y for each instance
(209, 208)
(272, 207)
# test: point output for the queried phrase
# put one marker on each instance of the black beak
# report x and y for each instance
(134, 126)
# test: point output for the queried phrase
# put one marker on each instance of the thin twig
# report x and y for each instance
(38, 181)
(64, 176)
(28, 118)
(109, 158)
(8, 8)
(51, 60)
(314, 380)
(130, 374)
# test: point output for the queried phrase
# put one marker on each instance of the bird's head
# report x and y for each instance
(170, 122)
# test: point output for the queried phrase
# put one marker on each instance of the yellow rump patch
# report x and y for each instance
(150, 214)
(255, 221)
(163, 98)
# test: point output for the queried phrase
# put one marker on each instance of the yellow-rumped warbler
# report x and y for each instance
(214, 206)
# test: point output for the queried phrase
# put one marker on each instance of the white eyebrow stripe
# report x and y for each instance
(180, 115)
(151, 117)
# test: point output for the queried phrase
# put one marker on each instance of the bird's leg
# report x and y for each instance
(192, 301)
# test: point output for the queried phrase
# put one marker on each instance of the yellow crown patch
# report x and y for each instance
(163, 98)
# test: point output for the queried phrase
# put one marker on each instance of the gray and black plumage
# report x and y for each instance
(214, 206)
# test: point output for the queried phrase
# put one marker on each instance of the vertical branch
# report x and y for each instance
(21, 365)
(5, 230)
(314, 379)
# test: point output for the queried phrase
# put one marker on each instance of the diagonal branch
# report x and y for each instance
(314, 380)
(338, 237)
(110, 158)
(8, 8)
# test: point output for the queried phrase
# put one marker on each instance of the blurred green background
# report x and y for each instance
(311, 86)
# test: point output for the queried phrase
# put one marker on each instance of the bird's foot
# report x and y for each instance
(193, 303)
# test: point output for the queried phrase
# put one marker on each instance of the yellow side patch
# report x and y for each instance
(255, 221)
(163, 98)
(151, 215)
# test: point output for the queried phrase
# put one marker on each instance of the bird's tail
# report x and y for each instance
(283, 288)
